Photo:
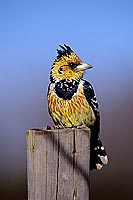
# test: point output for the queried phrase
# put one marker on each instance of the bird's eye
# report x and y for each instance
(72, 65)
(60, 70)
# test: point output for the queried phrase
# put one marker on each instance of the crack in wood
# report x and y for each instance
(57, 175)
(74, 195)
(74, 150)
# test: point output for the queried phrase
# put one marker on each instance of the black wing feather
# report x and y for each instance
(91, 98)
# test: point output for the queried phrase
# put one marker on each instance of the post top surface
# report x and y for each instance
(40, 131)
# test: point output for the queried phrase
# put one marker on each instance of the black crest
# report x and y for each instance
(66, 50)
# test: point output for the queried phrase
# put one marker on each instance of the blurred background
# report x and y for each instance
(101, 33)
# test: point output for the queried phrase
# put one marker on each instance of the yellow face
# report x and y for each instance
(64, 67)
(67, 65)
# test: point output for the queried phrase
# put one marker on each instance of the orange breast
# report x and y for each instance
(70, 113)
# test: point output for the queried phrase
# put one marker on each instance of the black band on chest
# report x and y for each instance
(66, 88)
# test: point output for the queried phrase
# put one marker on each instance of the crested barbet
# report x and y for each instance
(72, 101)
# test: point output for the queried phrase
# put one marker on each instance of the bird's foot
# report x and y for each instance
(58, 127)
(82, 126)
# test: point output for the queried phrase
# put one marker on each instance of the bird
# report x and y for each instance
(72, 102)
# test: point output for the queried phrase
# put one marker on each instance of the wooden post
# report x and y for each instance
(58, 164)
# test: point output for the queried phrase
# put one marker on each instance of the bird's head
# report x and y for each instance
(67, 65)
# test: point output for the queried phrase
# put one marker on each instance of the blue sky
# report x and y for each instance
(33, 29)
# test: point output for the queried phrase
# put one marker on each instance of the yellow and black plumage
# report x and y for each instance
(72, 101)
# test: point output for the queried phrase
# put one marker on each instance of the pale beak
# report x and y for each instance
(82, 67)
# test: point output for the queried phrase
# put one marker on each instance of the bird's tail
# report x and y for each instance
(98, 156)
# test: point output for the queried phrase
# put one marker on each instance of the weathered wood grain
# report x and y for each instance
(58, 164)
